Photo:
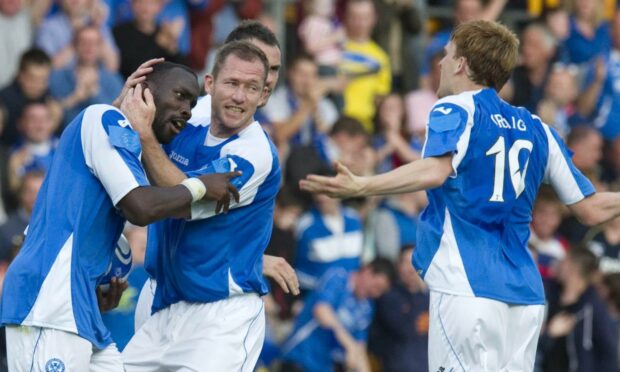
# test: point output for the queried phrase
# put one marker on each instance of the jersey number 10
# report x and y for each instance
(517, 176)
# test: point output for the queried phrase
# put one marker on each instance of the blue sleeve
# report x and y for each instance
(446, 124)
(228, 163)
(126, 142)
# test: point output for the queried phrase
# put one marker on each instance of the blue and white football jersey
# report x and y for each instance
(472, 237)
(320, 248)
(74, 227)
(215, 256)
(315, 347)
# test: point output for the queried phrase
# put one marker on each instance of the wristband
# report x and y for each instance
(195, 187)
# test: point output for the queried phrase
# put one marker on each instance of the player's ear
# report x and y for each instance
(461, 65)
(264, 96)
(209, 80)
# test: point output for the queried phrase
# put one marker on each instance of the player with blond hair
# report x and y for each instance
(483, 163)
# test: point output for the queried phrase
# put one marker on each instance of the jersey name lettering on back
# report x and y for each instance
(514, 123)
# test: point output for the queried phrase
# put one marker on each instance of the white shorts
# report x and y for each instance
(226, 335)
(52, 350)
(480, 334)
(144, 304)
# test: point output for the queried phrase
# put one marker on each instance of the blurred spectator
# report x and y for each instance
(299, 111)
(529, 79)
(611, 170)
(85, 82)
(546, 218)
(600, 99)
(589, 35)
(12, 231)
(395, 224)
(282, 243)
(56, 34)
(30, 85)
(587, 146)
(557, 21)
(604, 242)
(347, 142)
(202, 26)
(464, 10)
(398, 21)
(328, 236)
(18, 21)
(580, 335)
(611, 294)
(557, 108)
(323, 36)
(365, 64)
(391, 140)
(333, 324)
(154, 40)
(120, 320)
(173, 12)
(418, 104)
(38, 144)
(399, 332)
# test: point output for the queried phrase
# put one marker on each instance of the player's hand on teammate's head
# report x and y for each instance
(137, 77)
(110, 299)
(344, 185)
(220, 189)
(279, 270)
(139, 108)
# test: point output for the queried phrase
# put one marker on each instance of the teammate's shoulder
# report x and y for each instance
(252, 140)
(106, 115)
(201, 113)
(456, 102)
(102, 109)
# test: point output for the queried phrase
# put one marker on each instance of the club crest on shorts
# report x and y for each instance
(54, 365)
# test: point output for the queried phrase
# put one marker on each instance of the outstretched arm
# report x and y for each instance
(597, 208)
(418, 175)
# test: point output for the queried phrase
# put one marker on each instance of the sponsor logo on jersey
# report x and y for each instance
(443, 110)
(179, 158)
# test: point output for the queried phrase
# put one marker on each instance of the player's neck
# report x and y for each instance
(465, 85)
(221, 131)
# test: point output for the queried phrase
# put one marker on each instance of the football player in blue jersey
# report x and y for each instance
(483, 163)
(207, 312)
(94, 185)
(260, 36)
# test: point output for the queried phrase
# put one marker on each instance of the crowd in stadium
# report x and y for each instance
(357, 82)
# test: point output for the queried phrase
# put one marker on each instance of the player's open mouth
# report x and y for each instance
(178, 124)
(235, 109)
